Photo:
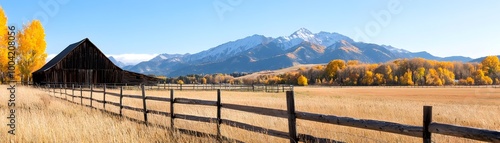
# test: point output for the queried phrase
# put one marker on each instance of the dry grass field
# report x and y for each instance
(41, 118)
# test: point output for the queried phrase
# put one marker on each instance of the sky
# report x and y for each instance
(134, 31)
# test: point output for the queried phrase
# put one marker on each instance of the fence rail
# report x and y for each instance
(207, 87)
(425, 131)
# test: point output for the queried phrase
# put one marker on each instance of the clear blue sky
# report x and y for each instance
(443, 28)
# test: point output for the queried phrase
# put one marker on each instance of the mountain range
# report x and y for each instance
(257, 52)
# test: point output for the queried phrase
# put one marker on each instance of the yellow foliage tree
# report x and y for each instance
(3, 46)
(470, 81)
(334, 66)
(432, 78)
(31, 49)
(352, 62)
(420, 73)
(481, 79)
(491, 64)
(180, 82)
(302, 80)
(388, 74)
(368, 78)
(407, 79)
(379, 79)
(447, 77)
(204, 80)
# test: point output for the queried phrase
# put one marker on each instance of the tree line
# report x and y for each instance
(30, 53)
(416, 71)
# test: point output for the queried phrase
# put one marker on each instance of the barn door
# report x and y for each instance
(88, 77)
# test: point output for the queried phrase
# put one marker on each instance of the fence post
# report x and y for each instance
(65, 93)
(60, 90)
(73, 92)
(81, 95)
(91, 90)
(181, 87)
(172, 115)
(277, 88)
(427, 121)
(104, 97)
(292, 127)
(144, 105)
(219, 120)
(121, 100)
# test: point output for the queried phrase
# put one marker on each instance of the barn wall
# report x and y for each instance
(87, 64)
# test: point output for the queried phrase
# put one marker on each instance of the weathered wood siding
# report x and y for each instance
(87, 64)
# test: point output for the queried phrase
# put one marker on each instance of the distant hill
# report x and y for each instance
(478, 60)
(257, 53)
(116, 62)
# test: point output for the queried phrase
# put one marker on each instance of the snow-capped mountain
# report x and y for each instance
(303, 35)
(165, 56)
(402, 53)
(395, 50)
(228, 49)
(116, 62)
(258, 52)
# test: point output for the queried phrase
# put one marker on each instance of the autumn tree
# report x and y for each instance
(379, 79)
(3, 46)
(302, 80)
(31, 49)
(491, 66)
(470, 81)
(334, 66)
(407, 79)
(352, 62)
(389, 74)
(432, 78)
(204, 80)
(419, 76)
(481, 79)
(368, 78)
(180, 81)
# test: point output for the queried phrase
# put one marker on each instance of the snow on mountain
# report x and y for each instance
(323, 38)
(228, 49)
(162, 57)
(327, 39)
(116, 62)
(395, 50)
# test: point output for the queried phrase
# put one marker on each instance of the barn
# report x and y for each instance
(83, 63)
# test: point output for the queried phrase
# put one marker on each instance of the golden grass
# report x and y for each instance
(45, 119)
(41, 118)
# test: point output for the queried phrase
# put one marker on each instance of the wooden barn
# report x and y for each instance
(83, 63)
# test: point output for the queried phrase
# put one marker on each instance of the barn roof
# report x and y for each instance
(61, 56)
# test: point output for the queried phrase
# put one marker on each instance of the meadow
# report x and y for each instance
(42, 118)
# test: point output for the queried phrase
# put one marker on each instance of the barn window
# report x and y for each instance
(137, 77)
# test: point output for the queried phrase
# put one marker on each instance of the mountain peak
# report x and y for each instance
(302, 32)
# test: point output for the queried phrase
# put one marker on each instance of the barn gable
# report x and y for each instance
(83, 62)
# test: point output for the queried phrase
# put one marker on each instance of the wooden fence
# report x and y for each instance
(424, 132)
(207, 87)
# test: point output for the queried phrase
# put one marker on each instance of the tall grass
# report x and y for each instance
(42, 118)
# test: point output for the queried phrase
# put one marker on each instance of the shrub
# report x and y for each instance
(302, 80)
